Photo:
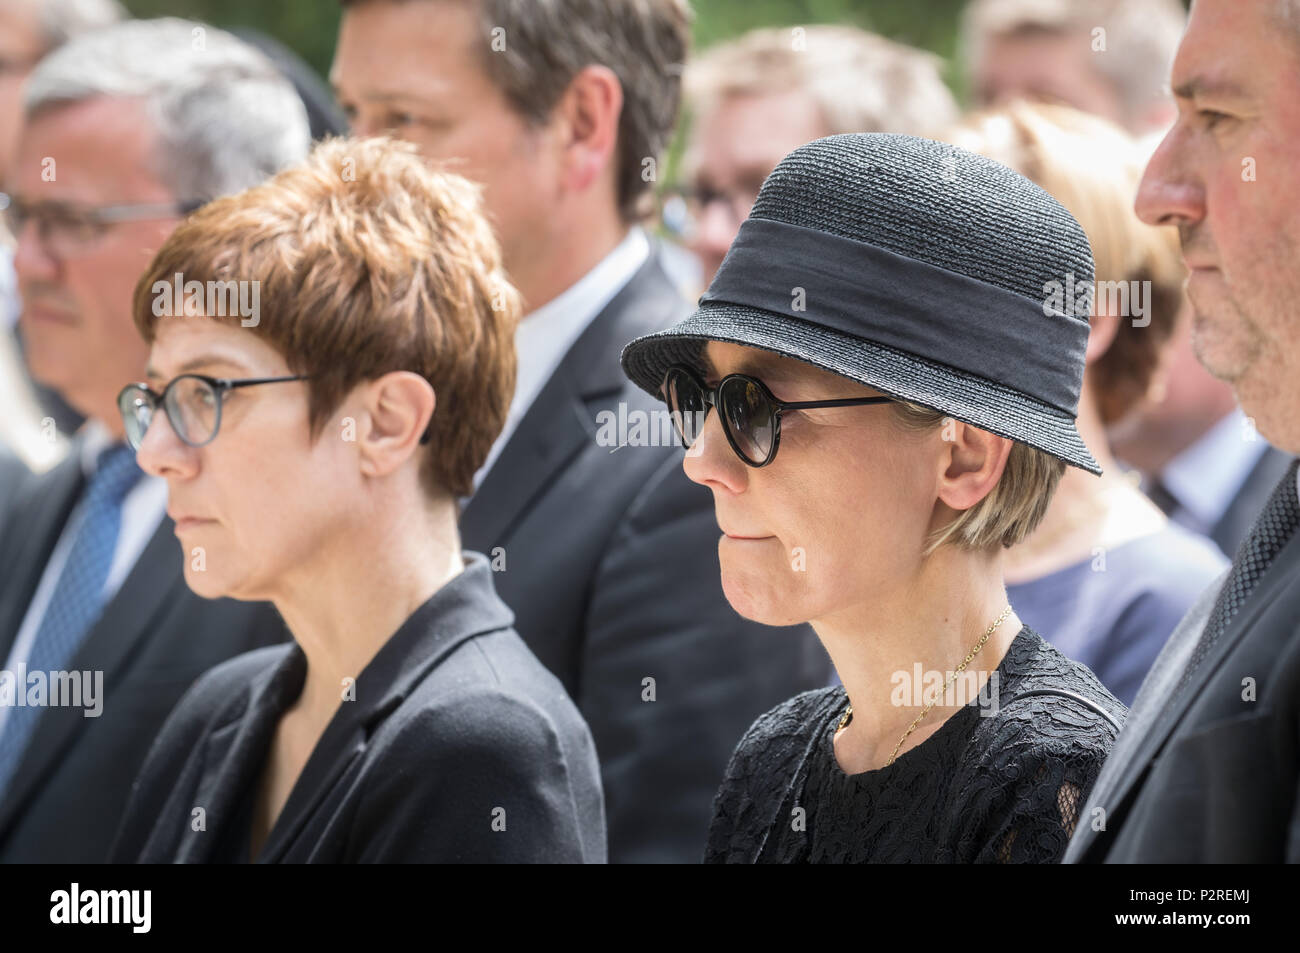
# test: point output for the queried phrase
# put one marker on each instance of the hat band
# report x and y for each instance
(932, 313)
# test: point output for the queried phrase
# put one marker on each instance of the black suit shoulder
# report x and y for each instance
(487, 762)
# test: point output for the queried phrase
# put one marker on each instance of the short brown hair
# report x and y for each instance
(1093, 168)
(368, 261)
(548, 42)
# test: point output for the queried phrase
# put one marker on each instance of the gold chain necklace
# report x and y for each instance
(848, 712)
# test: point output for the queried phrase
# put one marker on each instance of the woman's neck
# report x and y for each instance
(359, 590)
(930, 623)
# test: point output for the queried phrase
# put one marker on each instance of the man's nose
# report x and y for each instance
(32, 260)
(715, 231)
(1169, 193)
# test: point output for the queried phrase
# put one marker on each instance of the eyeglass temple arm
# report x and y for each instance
(842, 402)
(227, 384)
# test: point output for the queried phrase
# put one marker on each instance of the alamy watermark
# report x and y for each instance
(917, 687)
(1121, 299)
(212, 299)
(20, 688)
(643, 428)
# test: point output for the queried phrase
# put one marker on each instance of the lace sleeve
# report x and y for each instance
(1027, 794)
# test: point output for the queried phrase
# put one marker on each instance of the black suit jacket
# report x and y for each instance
(13, 473)
(1237, 519)
(458, 746)
(609, 558)
(154, 638)
(1209, 774)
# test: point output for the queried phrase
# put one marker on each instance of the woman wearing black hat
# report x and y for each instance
(895, 346)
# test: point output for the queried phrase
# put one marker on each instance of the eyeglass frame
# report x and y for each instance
(101, 216)
(221, 386)
(703, 198)
(779, 408)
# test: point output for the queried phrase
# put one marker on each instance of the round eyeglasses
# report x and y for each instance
(751, 416)
(192, 403)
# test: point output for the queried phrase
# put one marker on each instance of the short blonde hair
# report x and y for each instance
(368, 261)
(1011, 510)
(859, 81)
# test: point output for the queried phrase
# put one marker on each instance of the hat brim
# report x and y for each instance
(963, 396)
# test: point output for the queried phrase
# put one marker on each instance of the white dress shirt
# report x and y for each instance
(142, 511)
(544, 336)
(1206, 477)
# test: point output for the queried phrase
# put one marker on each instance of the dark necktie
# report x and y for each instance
(1274, 526)
(1159, 494)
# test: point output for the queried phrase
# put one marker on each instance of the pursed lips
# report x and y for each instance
(187, 522)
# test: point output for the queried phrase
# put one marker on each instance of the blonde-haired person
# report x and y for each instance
(755, 98)
(880, 406)
(1106, 576)
(314, 452)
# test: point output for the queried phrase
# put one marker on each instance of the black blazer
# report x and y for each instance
(1251, 496)
(13, 473)
(154, 638)
(459, 746)
(1209, 774)
(609, 559)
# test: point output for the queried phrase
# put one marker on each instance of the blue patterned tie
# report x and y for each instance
(77, 600)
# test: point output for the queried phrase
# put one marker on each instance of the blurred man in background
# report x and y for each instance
(605, 551)
(1201, 460)
(757, 98)
(29, 29)
(124, 130)
(1107, 57)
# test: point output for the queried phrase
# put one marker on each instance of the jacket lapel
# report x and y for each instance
(38, 517)
(1149, 739)
(126, 619)
(463, 608)
(234, 756)
(560, 422)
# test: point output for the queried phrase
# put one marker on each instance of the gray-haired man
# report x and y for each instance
(124, 130)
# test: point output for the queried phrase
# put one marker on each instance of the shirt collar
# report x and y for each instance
(584, 299)
(1206, 476)
(95, 439)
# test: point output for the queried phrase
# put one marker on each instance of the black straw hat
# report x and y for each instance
(927, 272)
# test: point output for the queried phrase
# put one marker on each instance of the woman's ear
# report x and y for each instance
(971, 465)
(398, 408)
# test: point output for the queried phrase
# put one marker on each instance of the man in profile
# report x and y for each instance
(607, 554)
(124, 130)
(1206, 768)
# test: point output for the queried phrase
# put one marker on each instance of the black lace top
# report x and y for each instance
(1001, 781)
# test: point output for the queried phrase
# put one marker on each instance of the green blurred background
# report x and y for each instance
(309, 26)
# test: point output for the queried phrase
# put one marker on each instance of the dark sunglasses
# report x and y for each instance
(751, 416)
